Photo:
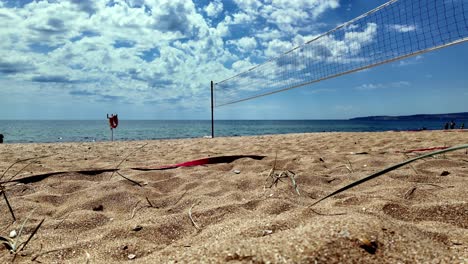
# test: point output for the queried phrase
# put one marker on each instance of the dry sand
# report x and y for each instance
(415, 214)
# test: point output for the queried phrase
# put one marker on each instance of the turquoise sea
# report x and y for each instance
(20, 131)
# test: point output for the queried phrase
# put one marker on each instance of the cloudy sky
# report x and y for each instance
(154, 59)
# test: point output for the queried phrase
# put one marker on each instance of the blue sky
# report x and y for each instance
(154, 59)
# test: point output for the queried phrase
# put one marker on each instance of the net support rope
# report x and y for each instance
(393, 31)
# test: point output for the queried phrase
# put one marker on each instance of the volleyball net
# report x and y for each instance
(395, 30)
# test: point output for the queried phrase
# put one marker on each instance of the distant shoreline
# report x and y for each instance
(447, 117)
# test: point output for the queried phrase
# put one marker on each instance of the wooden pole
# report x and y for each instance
(212, 110)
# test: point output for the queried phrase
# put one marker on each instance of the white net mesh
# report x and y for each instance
(395, 30)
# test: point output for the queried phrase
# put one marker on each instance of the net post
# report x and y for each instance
(212, 110)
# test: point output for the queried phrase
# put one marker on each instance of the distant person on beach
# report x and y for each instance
(462, 126)
(1, 138)
(452, 125)
(446, 126)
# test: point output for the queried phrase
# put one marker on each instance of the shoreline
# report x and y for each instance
(229, 212)
(236, 136)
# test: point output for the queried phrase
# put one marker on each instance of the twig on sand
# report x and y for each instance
(8, 204)
(134, 209)
(128, 179)
(149, 202)
(319, 213)
(274, 165)
(382, 172)
(278, 176)
(180, 198)
(292, 175)
(32, 234)
(122, 161)
(63, 219)
(410, 192)
(349, 167)
(190, 215)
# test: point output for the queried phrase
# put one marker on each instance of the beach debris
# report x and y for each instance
(205, 161)
(444, 173)
(236, 171)
(321, 159)
(149, 202)
(128, 179)
(267, 232)
(359, 153)
(190, 215)
(98, 208)
(131, 256)
(8, 203)
(368, 245)
(276, 177)
(135, 207)
(13, 234)
(344, 233)
(324, 214)
(410, 192)
(386, 170)
(137, 228)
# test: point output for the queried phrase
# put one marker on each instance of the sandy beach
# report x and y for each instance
(235, 212)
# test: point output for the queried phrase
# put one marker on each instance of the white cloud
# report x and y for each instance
(213, 9)
(277, 47)
(410, 61)
(250, 5)
(402, 28)
(375, 86)
(245, 44)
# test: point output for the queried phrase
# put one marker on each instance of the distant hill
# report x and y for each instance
(444, 117)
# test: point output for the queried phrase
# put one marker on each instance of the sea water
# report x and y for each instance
(21, 131)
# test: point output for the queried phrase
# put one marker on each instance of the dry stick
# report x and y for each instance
(410, 192)
(274, 164)
(317, 212)
(411, 166)
(9, 206)
(291, 175)
(150, 204)
(128, 179)
(180, 198)
(134, 209)
(350, 167)
(122, 161)
(32, 234)
(61, 221)
(396, 166)
(190, 216)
